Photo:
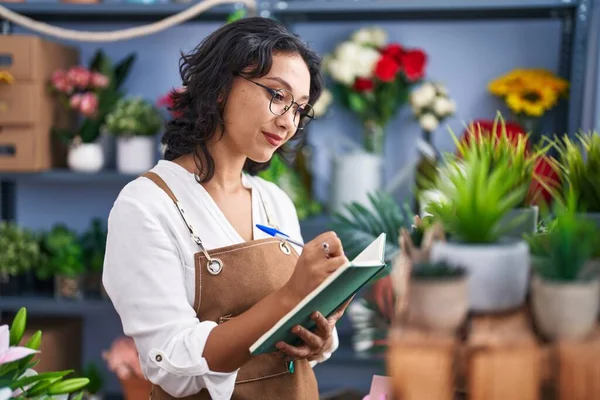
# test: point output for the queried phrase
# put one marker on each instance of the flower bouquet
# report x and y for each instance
(529, 94)
(373, 79)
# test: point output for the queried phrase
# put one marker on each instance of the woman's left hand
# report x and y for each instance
(315, 343)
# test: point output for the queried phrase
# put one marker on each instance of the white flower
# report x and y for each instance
(429, 122)
(442, 107)
(362, 36)
(422, 96)
(322, 104)
(5, 393)
(379, 37)
(342, 71)
(364, 65)
(8, 353)
(451, 106)
(348, 51)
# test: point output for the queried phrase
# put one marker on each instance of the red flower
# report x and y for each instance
(386, 68)
(413, 62)
(363, 85)
(393, 50)
(484, 126)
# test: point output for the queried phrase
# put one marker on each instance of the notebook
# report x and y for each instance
(332, 293)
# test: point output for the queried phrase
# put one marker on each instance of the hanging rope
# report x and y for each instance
(122, 34)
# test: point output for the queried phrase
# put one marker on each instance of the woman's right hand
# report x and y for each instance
(315, 264)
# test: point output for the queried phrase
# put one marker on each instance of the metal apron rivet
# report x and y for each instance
(214, 266)
(285, 248)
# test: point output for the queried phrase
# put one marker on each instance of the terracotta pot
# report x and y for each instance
(498, 273)
(136, 388)
(438, 304)
(565, 310)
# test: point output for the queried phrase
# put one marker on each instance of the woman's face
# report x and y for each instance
(251, 128)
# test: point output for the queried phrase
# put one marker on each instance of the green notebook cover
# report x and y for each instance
(326, 298)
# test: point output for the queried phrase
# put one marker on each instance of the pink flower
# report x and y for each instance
(79, 77)
(99, 80)
(60, 82)
(75, 101)
(7, 353)
(89, 104)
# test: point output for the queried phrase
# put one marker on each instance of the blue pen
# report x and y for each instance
(278, 234)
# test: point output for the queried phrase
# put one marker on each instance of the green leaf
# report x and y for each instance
(122, 70)
(17, 328)
(357, 103)
(68, 386)
(28, 380)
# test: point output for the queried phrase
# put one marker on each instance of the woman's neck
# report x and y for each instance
(227, 177)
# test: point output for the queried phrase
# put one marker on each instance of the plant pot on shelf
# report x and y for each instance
(438, 304)
(85, 157)
(355, 176)
(498, 273)
(565, 310)
(68, 287)
(135, 154)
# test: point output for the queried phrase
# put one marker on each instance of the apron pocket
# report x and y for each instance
(263, 366)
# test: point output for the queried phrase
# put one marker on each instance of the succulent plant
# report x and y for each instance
(20, 250)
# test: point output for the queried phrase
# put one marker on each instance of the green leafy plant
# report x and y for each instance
(18, 380)
(288, 180)
(579, 168)
(64, 254)
(19, 250)
(498, 145)
(92, 372)
(437, 270)
(134, 116)
(564, 251)
(362, 225)
(476, 194)
(93, 243)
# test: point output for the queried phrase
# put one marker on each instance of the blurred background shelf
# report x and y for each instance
(42, 305)
(342, 9)
(114, 11)
(67, 176)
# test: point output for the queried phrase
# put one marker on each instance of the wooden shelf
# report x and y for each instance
(40, 305)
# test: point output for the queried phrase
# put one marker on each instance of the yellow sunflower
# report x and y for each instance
(532, 101)
(6, 77)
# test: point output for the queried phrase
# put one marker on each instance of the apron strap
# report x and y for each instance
(163, 185)
(271, 221)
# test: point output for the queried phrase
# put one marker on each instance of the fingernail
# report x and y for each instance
(279, 346)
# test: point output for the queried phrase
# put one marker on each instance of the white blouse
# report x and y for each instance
(149, 272)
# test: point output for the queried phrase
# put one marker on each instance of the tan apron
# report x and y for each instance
(230, 280)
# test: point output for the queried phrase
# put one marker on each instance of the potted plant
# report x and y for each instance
(19, 254)
(64, 262)
(93, 390)
(371, 78)
(89, 93)
(500, 139)
(135, 123)
(437, 296)
(565, 289)
(93, 243)
(371, 312)
(578, 165)
(477, 192)
(122, 359)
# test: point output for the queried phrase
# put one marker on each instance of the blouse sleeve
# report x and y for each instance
(144, 279)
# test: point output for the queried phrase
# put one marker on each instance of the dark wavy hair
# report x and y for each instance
(208, 73)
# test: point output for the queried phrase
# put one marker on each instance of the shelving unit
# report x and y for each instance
(575, 21)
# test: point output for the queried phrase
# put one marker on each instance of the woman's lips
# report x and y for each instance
(273, 139)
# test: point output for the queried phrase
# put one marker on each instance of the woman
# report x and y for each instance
(194, 283)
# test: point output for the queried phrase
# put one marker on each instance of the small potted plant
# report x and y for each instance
(64, 261)
(123, 360)
(438, 296)
(476, 194)
(565, 288)
(135, 122)
(19, 254)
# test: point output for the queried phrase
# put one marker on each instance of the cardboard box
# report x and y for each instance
(27, 110)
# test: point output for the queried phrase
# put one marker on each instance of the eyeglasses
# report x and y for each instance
(282, 100)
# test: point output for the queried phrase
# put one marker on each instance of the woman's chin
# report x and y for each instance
(261, 156)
